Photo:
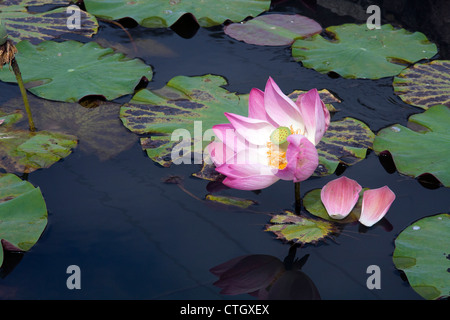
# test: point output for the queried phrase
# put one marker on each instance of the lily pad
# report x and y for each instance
(422, 252)
(22, 151)
(23, 214)
(346, 141)
(99, 130)
(418, 152)
(164, 13)
(183, 101)
(425, 85)
(36, 27)
(358, 52)
(273, 29)
(299, 229)
(70, 70)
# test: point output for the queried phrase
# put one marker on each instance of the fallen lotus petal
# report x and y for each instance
(375, 204)
(339, 196)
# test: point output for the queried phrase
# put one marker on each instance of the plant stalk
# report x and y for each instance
(23, 91)
(298, 198)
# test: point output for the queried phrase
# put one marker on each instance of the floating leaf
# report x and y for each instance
(164, 13)
(425, 85)
(422, 251)
(326, 96)
(23, 214)
(273, 29)
(99, 130)
(37, 27)
(358, 52)
(178, 105)
(25, 151)
(346, 141)
(417, 152)
(70, 70)
(230, 201)
(299, 229)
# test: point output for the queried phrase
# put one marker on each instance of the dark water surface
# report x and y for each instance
(135, 237)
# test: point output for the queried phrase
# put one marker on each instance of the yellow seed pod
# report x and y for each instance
(279, 135)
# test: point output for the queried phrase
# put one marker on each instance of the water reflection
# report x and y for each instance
(266, 277)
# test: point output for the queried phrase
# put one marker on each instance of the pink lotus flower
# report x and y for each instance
(375, 205)
(276, 141)
(339, 196)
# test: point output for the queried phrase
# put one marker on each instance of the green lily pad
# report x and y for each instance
(418, 152)
(425, 85)
(164, 13)
(23, 214)
(70, 70)
(98, 129)
(422, 251)
(37, 27)
(357, 52)
(313, 204)
(273, 29)
(299, 229)
(22, 151)
(346, 141)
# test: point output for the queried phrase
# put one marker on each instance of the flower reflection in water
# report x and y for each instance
(266, 277)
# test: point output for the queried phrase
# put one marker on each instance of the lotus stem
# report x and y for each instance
(298, 198)
(23, 91)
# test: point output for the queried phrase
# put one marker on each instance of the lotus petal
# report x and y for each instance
(375, 205)
(339, 196)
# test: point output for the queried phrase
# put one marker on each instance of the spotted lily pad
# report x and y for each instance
(181, 104)
(346, 141)
(273, 29)
(23, 214)
(418, 152)
(36, 27)
(299, 229)
(425, 85)
(70, 70)
(164, 13)
(358, 52)
(422, 251)
(23, 151)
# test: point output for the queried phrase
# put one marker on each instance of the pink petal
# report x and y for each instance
(315, 114)
(254, 131)
(302, 159)
(220, 153)
(229, 136)
(339, 196)
(375, 205)
(280, 107)
(247, 177)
